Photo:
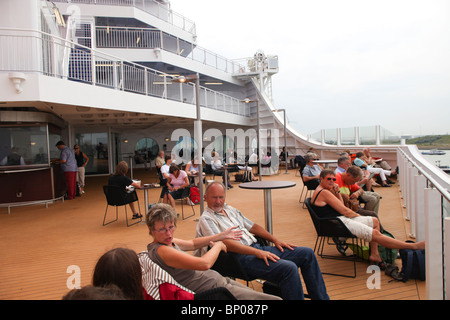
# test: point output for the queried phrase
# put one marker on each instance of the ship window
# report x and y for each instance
(184, 150)
(23, 145)
(147, 149)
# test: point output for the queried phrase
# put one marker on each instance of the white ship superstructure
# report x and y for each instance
(104, 70)
(100, 73)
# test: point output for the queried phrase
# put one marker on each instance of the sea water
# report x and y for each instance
(443, 160)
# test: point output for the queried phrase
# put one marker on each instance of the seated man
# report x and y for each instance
(166, 167)
(164, 174)
(344, 163)
(311, 171)
(278, 264)
(159, 161)
(347, 182)
(218, 169)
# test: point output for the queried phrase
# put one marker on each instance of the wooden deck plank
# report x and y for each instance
(37, 244)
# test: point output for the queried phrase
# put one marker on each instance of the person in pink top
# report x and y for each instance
(176, 182)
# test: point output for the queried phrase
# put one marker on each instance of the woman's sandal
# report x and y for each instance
(379, 264)
(393, 271)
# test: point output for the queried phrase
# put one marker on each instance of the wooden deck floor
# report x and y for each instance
(39, 244)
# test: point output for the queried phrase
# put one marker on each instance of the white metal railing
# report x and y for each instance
(426, 197)
(147, 38)
(36, 51)
(152, 7)
(356, 136)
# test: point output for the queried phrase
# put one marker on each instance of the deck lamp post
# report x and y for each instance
(257, 134)
(198, 131)
(285, 144)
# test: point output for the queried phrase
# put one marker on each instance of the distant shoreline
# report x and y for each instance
(441, 142)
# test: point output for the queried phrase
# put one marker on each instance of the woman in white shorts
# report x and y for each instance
(327, 202)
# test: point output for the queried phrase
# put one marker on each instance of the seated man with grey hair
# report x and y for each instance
(278, 264)
(348, 184)
(311, 171)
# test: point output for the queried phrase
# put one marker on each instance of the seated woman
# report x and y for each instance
(327, 202)
(192, 168)
(119, 179)
(120, 267)
(176, 182)
(311, 171)
(192, 272)
(361, 162)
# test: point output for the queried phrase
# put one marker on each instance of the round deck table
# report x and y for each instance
(146, 187)
(267, 186)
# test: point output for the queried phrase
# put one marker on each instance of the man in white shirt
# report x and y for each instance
(278, 264)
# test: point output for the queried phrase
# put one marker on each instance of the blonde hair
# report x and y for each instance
(160, 212)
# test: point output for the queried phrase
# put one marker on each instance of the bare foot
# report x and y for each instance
(420, 245)
(375, 258)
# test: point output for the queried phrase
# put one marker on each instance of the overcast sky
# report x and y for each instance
(343, 63)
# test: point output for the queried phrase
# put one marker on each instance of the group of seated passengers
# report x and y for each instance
(220, 228)
(344, 185)
(327, 201)
(230, 230)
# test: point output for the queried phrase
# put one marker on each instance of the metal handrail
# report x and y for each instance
(37, 51)
(444, 192)
(150, 38)
(161, 12)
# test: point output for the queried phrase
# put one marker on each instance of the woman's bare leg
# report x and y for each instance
(374, 253)
(171, 200)
(388, 242)
(133, 209)
(392, 243)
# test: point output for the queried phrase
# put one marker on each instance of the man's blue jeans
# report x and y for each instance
(285, 273)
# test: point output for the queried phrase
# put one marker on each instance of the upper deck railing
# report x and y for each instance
(147, 38)
(152, 7)
(36, 51)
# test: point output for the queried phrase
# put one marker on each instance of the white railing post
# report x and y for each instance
(411, 202)
(146, 73)
(338, 132)
(357, 137)
(433, 244)
(115, 75)
(377, 135)
(447, 257)
(164, 95)
(420, 183)
(408, 188)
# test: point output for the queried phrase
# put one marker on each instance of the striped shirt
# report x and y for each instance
(211, 223)
(153, 276)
